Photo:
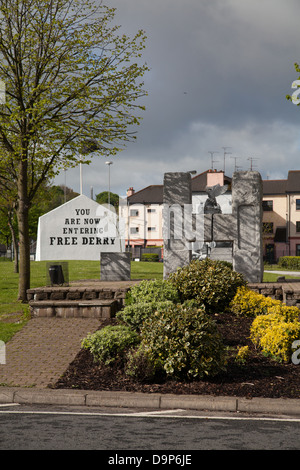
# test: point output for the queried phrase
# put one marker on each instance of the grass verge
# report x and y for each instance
(14, 314)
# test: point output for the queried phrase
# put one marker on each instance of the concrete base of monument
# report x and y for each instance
(82, 299)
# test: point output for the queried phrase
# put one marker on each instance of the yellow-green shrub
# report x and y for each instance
(274, 335)
(242, 355)
(251, 304)
(289, 314)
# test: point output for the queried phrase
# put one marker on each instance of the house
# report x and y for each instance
(281, 217)
(143, 212)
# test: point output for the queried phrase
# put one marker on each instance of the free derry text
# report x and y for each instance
(72, 229)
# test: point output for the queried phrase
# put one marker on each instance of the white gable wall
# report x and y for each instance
(78, 230)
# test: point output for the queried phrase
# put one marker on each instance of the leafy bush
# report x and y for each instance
(251, 304)
(274, 335)
(150, 257)
(135, 314)
(185, 340)
(143, 367)
(212, 283)
(242, 355)
(288, 314)
(289, 262)
(152, 291)
(110, 343)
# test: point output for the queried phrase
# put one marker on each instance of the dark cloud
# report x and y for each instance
(220, 70)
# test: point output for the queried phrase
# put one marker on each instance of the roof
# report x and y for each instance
(153, 194)
(274, 187)
(199, 182)
(290, 185)
(293, 182)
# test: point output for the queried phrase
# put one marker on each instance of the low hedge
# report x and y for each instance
(289, 262)
(150, 257)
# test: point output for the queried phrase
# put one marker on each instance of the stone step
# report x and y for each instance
(97, 308)
(80, 293)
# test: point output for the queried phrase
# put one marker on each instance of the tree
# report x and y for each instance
(70, 78)
(102, 198)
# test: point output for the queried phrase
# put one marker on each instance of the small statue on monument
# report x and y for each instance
(211, 206)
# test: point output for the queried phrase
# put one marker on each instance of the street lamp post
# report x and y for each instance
(108, 163)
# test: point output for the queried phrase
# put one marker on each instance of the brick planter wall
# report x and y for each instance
(287, 292)
(75, 302)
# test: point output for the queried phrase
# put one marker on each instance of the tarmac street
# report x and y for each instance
(175, 432)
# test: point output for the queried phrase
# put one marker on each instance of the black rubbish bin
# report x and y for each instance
(56, 274)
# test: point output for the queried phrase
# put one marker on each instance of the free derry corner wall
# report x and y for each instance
(80, 229)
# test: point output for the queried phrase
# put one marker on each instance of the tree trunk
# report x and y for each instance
(15, 243)
(23, 226)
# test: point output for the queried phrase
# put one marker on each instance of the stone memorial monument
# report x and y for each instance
(115, 266)
(177, 198)
(240, 231)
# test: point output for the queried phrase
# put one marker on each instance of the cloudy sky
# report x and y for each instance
(220, 73)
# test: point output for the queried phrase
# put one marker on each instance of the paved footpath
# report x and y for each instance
(42, 350)
(40, 353)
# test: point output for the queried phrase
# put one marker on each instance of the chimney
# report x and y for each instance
(130, 192)
(215, 177)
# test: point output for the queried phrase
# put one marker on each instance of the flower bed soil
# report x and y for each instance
(259, 377)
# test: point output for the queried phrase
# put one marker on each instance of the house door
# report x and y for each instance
(270, 254)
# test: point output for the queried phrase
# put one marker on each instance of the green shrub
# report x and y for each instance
(135, 314)
(185, 340)
(212, 283)
(150, 257)
(289, 262)
(143, 367)
(274, 335)
(152, 291)
(110, 343)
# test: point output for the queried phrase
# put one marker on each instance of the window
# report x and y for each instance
(297, 226)
(297, 204)
(268, 227)
(149, 211)
(134, 229)
(151, 229)
(297, 250)
(134, 213)
(267, 205)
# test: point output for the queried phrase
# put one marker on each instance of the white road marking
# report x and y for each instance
(163, 414)
(9, 404)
